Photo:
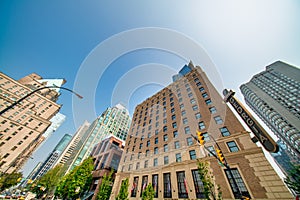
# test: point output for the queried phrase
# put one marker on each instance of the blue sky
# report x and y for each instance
(55, 38)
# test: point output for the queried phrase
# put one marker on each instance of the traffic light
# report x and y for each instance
(201, 137)
(220, 155)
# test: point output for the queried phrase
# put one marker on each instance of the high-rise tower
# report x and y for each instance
(115, 121)
(274, 95)
(161, 151)
(22, 127)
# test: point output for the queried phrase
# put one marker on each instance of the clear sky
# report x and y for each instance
(106, 50)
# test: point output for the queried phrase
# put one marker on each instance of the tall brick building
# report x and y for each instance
(160, 150)
(22, 127)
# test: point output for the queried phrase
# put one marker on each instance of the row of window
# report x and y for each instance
(183, 188)
(232, 146)
(224, 132)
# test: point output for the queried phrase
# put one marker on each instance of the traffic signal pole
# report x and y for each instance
(224, 162)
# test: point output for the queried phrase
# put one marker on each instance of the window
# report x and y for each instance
(167, 185)
(173, 117)
(208, 102)
(147, 152)
(166, 160)
(148, 143)
(205, 95)
(177, 145)
(193, 101)
(172, 104)
(211, 149)
(132, 156)
(183, 113)
(182, 186)
(175, 134)
(185, 120)
(165, 137)
(164, 121)
(155, 150)
(134, 186)
(240, 183)
(197, 115)
(187, 130)
(189, 141)
(201, 89)
(199, 84)
(146, 164)
(232, 146)
(129, 167)
(212, 110)
(172, 110)
(141, 145)
(156, 131)
(155, 184)
(137, 165)
(156, 140)
(190, 95)
(201, 125)
(166, 148)
(181, 106)
(155, 162)
(224, 131)
(165, 128)
(206, 136)
(199, 188)
(139, 155)
(174, 125)
(193, 155)
(178, 157)
(144, 183)
(195, 107)
(218, 120)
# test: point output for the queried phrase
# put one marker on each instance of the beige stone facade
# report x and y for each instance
(160, 150)
(22, 127)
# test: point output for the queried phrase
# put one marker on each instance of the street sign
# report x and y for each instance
(262, 136)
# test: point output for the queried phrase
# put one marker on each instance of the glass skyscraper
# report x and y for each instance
(274, 95)
(115, 121)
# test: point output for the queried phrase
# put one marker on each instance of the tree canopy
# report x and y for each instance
(76, 182)
(123, 193)
(8, 180)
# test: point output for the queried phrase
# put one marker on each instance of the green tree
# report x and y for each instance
(123, 193)
(48, 182)
(207, 180)
(148, 193)
(76, 182)
(9, 180)
(105, 187)
(293, 179)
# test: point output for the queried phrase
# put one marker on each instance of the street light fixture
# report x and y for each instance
(18, 101)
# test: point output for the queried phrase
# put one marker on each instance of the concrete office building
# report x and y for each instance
(107, 155)
(22, 127)
(274, 95)
(72, 145)
(160, 150)
(115, 121)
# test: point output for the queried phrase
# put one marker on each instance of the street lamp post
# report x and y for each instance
(21, 99)
(224, 162)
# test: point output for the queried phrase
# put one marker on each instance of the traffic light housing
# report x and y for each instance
(220, 156)
(201, 137)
